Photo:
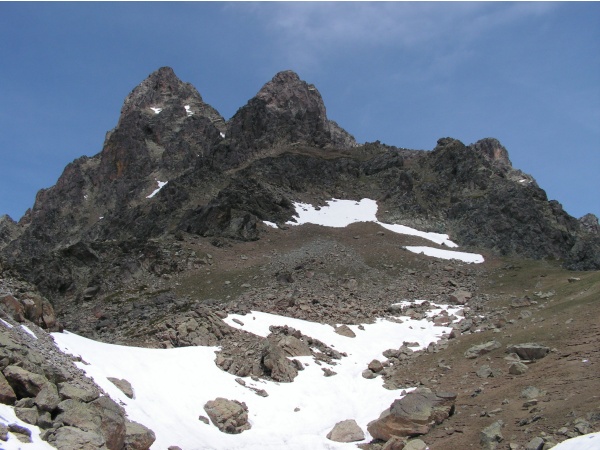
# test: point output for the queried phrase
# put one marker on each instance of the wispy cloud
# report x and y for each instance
(308, 33)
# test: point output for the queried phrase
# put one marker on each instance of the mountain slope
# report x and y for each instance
(173, 169)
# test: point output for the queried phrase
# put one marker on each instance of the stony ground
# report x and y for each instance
(353, 276)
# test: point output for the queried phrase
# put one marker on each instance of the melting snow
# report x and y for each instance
(6, 323)
(586, 442)
(188, 111)
(28, 331)
(341, 213)
(447, 254)
(7, 417)
(270, 224)
(156, 110)
(186, 378)
(160, 186)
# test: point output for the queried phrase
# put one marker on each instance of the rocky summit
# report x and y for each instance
(186, 223)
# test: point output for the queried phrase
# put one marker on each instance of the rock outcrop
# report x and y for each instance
(413, 415)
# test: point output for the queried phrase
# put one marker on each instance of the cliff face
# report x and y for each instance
(219, 179)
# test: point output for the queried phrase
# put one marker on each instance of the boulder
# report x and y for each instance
(346, 431)
(395, 443)
(375, 366)
(27, 415)
(460, 297)
(345, 330)
(23, 382)
(415, 444)
(529, 351)
(123, 385)
(531, 392)
(229, 416)
(70, 438)
(491, 435)
(276, 365)
(293, 346)
(138, 437)
(69, 391)
(537, 443)
(481, 349)
(47, 399)
(413, 415)
(102, 416)
(517, 368)
(7, 394)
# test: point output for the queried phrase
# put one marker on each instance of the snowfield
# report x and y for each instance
(171, 386)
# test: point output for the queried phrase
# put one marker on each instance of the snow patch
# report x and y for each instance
(156, 110)
(447, 254)
(7, 417)
(341, 213)
(161, 184)
(586, 442)
(188, 111)
(28, 331)
(222, 135)
(8, 325)
(295, 416)
(270, 224)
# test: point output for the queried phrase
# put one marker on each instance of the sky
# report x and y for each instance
(403, 73)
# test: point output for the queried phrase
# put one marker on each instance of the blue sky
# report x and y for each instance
(406, 74)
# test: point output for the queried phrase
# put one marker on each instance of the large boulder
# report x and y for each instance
(413, 415)
(529, 351)
(346, 431)
(23, 382)
(7, 394)
(72, 438)
(102, 416)
(138, 437)
(229, 416)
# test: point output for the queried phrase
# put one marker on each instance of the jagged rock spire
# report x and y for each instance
(494, 150)
(163, 90)
(286, 110)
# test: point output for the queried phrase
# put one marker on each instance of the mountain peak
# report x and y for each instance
(494, 150)
(286, 110)
(161, 88)
(287, 92)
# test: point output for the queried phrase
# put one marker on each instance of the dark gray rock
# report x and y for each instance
(529, 351)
